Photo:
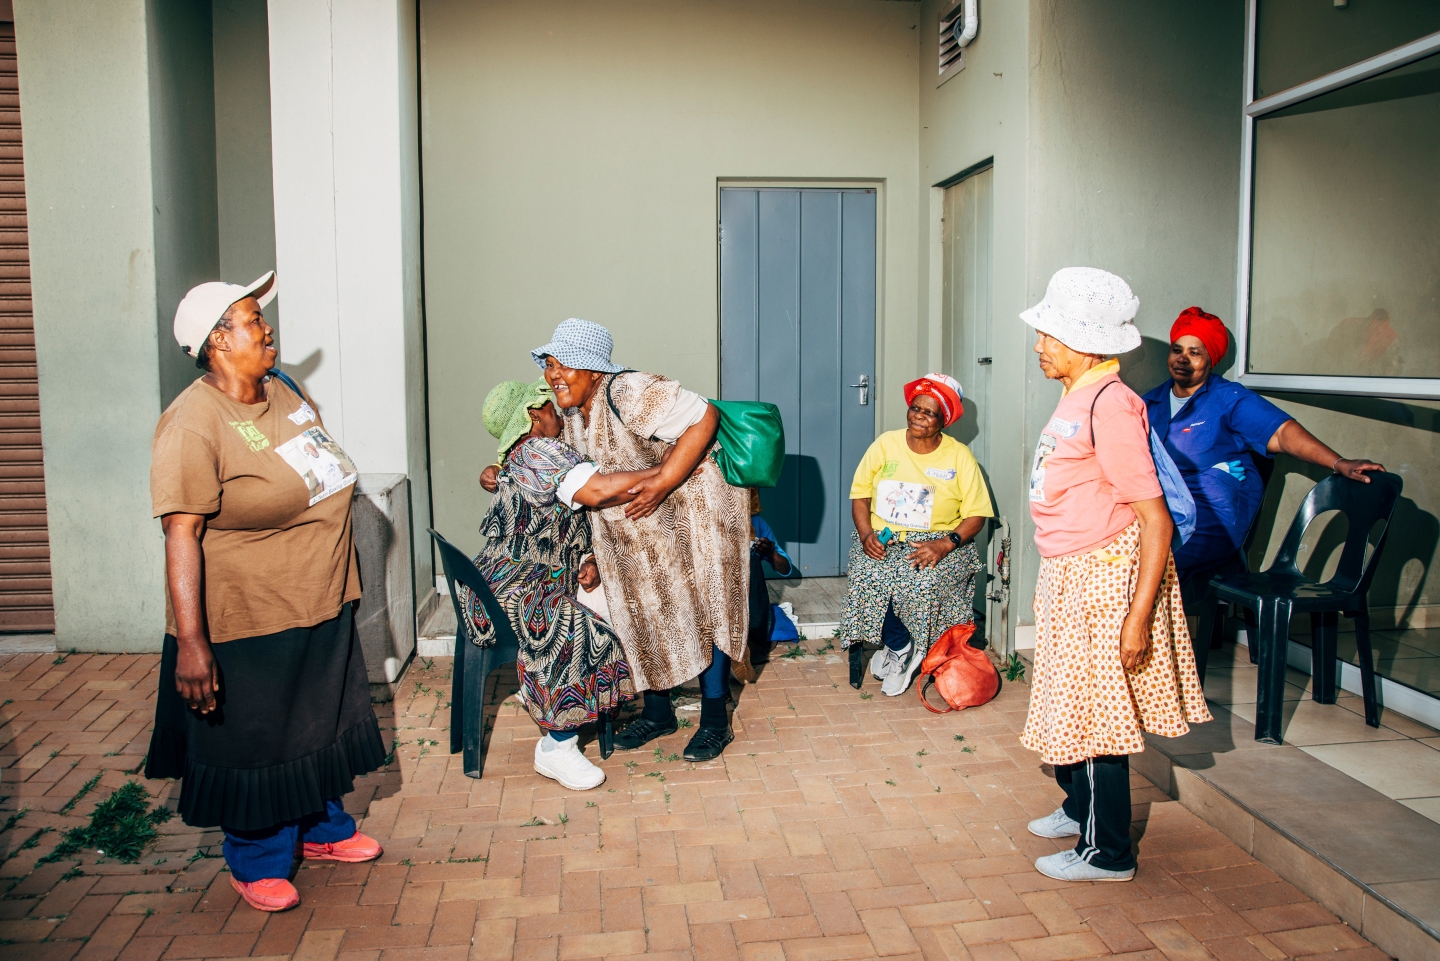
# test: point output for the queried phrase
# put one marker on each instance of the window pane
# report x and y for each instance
(1345, 270)
(1299, 40)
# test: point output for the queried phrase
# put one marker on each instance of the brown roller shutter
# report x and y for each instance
(26, 603)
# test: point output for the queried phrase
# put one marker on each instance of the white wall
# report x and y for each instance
(345, 168)
(572, 155)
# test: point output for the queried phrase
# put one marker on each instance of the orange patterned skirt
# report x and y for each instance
(1083, 703)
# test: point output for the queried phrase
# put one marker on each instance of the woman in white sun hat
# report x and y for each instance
(1112, 653)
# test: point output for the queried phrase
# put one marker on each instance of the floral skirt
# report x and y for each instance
(1083, 703)
(572, 668)
(928, 602)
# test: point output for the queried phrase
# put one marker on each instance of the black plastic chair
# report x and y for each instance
(474, 664)
(1277, 593)
(1210, 632)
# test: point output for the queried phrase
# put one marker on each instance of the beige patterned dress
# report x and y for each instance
(678, 581)
(1083, 703)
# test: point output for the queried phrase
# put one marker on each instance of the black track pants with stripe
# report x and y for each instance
(1097, 796)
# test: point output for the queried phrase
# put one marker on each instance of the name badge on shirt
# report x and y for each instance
(940, 473)
(1063, 428)
(320, 462)
(908, 505)
(304, 415)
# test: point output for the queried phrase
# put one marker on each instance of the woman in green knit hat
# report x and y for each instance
(572, 668)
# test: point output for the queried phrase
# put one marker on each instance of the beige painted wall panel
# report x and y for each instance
(979, 113)
(84, 99)
(1135, 166)
(571, 155)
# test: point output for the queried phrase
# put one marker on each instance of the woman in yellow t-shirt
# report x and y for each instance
(918, 501)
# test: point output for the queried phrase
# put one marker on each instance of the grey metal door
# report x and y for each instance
(968, 229)
(797, 329)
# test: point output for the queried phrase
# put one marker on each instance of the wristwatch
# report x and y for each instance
(955, 539)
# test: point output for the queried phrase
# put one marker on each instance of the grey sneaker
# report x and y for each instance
(887, 662)
(1057, 825)
(1067, 866)
(896, 683)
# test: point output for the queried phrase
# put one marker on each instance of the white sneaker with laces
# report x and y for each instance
(887, 662)
(898, 682)
(562, 761)
(1056, 825)
(1068, 866)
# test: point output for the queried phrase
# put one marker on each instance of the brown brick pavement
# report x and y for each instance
(836, 826)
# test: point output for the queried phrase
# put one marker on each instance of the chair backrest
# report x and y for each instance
(1363, 505)
(459, 568)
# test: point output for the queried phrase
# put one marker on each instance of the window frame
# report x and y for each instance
(1253, 110)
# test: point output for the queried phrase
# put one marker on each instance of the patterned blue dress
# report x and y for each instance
(572, 667)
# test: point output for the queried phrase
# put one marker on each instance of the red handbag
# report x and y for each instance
(964, 674)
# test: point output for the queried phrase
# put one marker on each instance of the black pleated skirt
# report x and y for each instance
(293, 727)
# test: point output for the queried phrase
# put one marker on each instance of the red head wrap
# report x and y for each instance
(1207, 328)
(944, 389)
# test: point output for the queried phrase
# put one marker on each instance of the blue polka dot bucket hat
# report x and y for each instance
(581, 345)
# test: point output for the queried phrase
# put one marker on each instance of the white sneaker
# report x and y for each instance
(887, 662)
(563, 762)
(1067, 866)
(898, 682)
(1057, 825)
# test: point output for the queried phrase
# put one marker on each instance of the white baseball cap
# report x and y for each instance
(203, 306)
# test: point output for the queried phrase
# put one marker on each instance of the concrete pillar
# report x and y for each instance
(345, 144)
(107, 87)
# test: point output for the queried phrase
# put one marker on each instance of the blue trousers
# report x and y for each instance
(894, 634)
(257, 855)
(715, 679)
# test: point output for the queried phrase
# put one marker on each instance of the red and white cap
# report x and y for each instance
(944, 389)
(202, 308)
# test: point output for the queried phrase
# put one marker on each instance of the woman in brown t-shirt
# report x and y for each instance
(264, 704)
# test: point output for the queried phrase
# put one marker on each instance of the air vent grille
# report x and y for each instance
(952, 55)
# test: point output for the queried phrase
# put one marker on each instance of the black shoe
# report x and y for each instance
(642, 731)
(708, 743)
(857, 665)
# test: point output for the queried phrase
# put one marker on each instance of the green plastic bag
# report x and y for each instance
(751, 436)
(752, 443)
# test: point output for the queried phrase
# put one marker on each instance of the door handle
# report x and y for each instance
(864, 386)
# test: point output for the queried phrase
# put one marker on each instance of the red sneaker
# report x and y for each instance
(268, 894)
(357, 848)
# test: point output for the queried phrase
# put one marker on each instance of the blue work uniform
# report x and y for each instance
(1214, 440)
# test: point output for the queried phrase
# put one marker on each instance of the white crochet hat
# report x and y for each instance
(1089, 310)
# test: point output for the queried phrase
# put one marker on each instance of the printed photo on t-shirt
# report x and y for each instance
(1043, 450)
(320, 462)
(907, 505)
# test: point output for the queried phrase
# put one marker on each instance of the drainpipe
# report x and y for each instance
(999, 594)
(966, 27)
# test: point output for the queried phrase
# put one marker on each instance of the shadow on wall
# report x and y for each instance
(795, 506)
(1144, 367)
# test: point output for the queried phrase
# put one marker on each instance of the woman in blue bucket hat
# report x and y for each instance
(674, 562)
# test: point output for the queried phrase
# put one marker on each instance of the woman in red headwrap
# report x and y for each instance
(1215, 430)
(918, 501)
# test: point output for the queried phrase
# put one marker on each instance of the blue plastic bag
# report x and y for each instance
(1177, 496)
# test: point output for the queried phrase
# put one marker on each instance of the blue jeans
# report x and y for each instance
(257, 855)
